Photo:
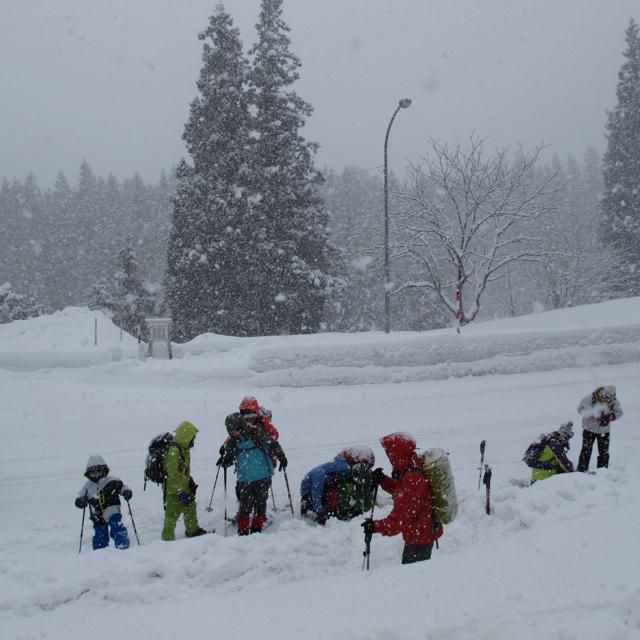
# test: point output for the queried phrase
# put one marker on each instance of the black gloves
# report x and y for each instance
(82, 502)
(368, 527)
(377, 475)
(127, 494)
(305, 505)
(185, 498)
(283, 462)
(226, 457)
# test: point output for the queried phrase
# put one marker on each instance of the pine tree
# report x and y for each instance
(205, 254)
(16, 306)
(290, 281)
(82, 232)
(621, 201)
(59, 245)
(354, 200)
(129, 295)
(123, 294)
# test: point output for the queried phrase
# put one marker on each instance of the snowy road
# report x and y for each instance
(558, 559)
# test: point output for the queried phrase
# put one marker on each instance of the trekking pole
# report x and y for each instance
(286, 479)
(215, 482)
(82, 528)
(133, 522)
(486, 480)
(273, 499)
(483, 444)
(366, 554)
(225, 501)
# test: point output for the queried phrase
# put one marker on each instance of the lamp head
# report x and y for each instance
(405, 103)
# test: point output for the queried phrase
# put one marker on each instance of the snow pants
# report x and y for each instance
(416, 552)
(173, 509)
(588, 438)
(252, 499)
(113, 528)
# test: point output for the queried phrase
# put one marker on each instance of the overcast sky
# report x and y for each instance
(110, 81)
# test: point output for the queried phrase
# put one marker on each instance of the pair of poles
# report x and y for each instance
(133, 522)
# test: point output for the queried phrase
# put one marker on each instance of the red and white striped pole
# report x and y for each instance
(459, 310)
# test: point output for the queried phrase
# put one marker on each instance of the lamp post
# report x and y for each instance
(404, 103)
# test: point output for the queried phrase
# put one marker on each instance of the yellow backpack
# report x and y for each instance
(437, 470)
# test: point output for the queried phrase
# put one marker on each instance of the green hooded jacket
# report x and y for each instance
(177, 462)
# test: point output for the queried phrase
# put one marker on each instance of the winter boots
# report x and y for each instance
(247, 525)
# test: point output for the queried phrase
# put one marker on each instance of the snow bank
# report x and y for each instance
(607, 333)
(64, 339)
(558, 559)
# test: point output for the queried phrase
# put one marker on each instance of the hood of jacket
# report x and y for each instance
(96, 463)
(401, 450)
(357, 454)
(185, 433)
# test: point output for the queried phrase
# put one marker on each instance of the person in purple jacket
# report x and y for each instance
(547, 456)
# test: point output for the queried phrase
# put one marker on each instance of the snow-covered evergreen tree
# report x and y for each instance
(208, 248)
(621, 201)
(60, 253)
(291, 255)
(354, 202)
(123, 294)
(16, 306)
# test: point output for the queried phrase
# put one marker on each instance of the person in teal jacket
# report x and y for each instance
(252, 450)
(179, 488)
(547, 455)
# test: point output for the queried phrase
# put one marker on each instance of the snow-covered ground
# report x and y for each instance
(559, 559)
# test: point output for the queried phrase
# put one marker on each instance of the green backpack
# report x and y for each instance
(437, 470)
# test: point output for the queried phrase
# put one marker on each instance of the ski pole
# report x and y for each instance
(225, 501)
(286, 479)
(215, 482)
(483, 444)
(82, 528)
(273, 499)
(133, 522)
(487, 483)
(367, 536)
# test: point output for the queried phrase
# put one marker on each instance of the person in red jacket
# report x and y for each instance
(413, 503)
(254, 414)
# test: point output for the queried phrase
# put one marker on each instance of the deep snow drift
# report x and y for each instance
(559, 559)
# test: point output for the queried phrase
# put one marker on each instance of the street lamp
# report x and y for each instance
(402, 104)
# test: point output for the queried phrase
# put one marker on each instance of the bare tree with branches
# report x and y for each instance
(465, 217)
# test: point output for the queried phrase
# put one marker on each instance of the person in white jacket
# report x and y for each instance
(598, 410)
(101, 493)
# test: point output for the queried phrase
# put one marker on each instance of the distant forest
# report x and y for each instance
(246, 237)
(57, 244)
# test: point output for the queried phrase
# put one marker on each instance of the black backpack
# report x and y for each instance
(532, 455)
(154, 465)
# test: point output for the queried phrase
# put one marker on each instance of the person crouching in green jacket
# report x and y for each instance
(179, 488)
(547, 455)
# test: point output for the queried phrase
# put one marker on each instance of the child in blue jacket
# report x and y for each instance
(251, 449)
